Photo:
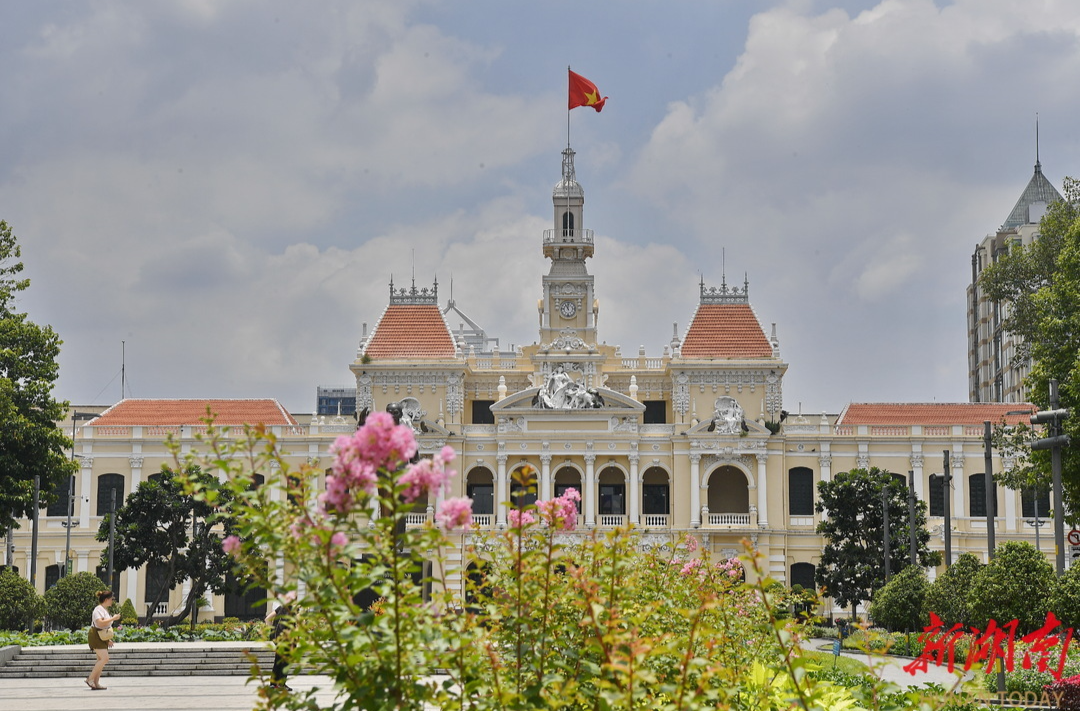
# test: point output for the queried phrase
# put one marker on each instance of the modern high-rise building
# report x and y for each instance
(996, 371)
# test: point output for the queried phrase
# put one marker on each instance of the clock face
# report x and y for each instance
(568, 309)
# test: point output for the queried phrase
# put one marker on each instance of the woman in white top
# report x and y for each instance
(100, 620)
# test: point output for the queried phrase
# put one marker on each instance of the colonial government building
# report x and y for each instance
(693, 440)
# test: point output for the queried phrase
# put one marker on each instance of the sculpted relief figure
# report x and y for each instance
(727, 416)
(561, 392)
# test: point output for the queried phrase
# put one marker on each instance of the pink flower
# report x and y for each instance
(691, 543)
(337, 496)
(455, 513)
(426, 476)
(520, 519)
(690, 566)
(560, 513)
(231, 545)
(338, 540)
(378, 445)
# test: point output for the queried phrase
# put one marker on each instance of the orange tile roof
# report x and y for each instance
(231, 413)
(725, 331)
(933, 413)
(410, 331)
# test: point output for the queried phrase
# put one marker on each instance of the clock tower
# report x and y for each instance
(568, 310)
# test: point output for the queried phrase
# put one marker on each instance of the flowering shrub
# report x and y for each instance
(1069, 688)
(535, 616)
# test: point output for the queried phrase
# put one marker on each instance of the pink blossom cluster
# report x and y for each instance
(694, 564)
(730, 567)
(427, 475)
(455, 514)
(358, 458)
(231, 546)
(691, 543)
(519, 519)
(560, 513)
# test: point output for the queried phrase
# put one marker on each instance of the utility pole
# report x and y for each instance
(945, 499)
(913, 544)
(112, 533)
(885, 519)
(989, 487)
(1054, 442)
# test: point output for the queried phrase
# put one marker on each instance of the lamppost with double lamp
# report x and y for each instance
(1055, 440)
(75, 417)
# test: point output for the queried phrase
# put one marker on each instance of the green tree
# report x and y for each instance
(1040, 285)
(852, 562)
(128, 616)
(899, 604)
(160, 525)
(1065, 597)
(72, 600)
(19, 602)
(1015, 585)
(30, 442)
(948, 595)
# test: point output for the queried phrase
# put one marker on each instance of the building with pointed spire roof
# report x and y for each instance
(692, 441)
(995, 373)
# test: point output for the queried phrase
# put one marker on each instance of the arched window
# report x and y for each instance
(612, 486)
(801, 491)
(655, 494)
(523, 488)
(480, 488)
(568, 478)
(106, 485)
(52, 575)
(568, 224)
(803, 574)
(977, 496)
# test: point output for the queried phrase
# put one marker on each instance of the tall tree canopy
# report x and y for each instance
(1040, 287)
(30, 442)
(162, 526)
(853, 560)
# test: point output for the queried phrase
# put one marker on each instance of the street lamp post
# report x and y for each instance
(1054, 442)
(991, 490)
(947, 495)
(75, 418)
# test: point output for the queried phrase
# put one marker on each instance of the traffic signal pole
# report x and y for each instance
(1053, 418)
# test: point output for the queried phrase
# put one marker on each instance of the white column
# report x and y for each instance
(500, 491)
(84, 492)
(132, 587)
(695, 489)
(1012, 519)
(762, 490)
(590, 490)
(917, 467)
(545, 475)
(634, 486)
(136, 462)
(959, 483)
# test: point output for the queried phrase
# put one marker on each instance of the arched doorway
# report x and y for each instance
(655, 498)
(480, 487)
(611, 487)
(729, 497)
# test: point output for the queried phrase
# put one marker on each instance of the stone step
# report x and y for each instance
(165, 661)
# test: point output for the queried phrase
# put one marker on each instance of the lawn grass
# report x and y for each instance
(844, 663)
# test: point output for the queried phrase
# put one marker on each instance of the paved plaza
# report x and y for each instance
(182, 693)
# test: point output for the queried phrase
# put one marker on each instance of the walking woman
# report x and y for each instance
(100, 621)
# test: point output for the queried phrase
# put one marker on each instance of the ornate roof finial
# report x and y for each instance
(1038, 164)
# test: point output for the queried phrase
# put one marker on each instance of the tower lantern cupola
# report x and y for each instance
(568, 199)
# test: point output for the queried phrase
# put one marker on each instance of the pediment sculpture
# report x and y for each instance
(562, 392)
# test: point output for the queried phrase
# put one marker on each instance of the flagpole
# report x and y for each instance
(568, 107)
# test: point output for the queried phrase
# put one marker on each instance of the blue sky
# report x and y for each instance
(227, 187)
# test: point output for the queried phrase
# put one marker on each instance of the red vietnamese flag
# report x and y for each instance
(584, 93)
